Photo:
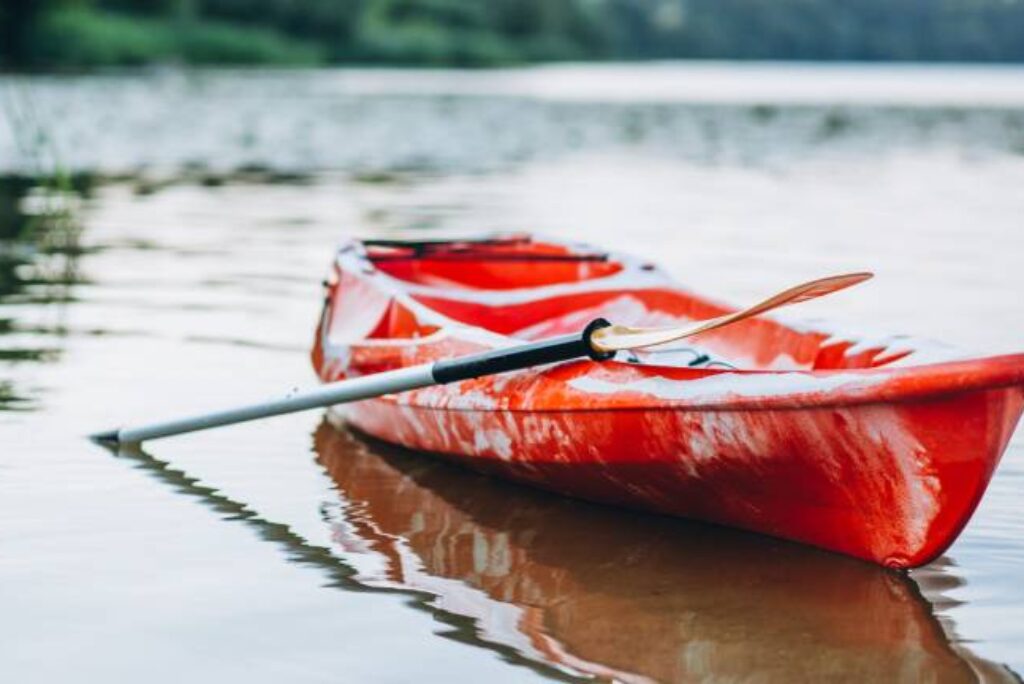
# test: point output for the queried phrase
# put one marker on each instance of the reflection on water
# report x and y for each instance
(569, 589)
(625, 596)
(341, 575)
(39, 250)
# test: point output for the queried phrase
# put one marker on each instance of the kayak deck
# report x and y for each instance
(878, 448)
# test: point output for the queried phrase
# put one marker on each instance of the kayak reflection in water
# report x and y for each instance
(627, 596)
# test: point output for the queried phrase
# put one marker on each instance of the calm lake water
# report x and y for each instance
(188, 277)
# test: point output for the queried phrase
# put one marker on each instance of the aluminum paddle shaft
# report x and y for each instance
(341, 392)
(564, 348)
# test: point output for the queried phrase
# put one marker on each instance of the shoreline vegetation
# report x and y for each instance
(71, 35)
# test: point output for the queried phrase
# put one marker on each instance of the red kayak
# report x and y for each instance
(876, 448)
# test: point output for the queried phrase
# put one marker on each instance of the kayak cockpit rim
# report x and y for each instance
(631, 290)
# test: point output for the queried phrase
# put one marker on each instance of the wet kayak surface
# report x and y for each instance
(188, 278)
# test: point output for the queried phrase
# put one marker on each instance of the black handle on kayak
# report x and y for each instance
(563, 348)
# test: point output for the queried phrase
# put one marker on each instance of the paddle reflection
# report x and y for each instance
(613, 594)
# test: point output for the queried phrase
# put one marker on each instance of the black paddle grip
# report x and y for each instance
(562, 348)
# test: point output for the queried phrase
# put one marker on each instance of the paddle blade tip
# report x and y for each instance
(849, 279)
(816, 288)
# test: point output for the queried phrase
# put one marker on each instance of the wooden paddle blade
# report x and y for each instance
(621, 337)
(812, 289)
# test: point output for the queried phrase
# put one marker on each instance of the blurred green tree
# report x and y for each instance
(487, 32)
(18, 19)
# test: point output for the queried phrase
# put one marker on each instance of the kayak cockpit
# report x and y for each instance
(499, 264)
(527, 289)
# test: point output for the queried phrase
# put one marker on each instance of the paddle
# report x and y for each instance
(599, 341)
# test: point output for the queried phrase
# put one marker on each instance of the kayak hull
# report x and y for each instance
(893, 484)
(883, 463)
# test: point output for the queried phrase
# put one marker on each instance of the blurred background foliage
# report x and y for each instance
(71, 34)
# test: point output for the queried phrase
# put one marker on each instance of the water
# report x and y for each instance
(293, 550)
